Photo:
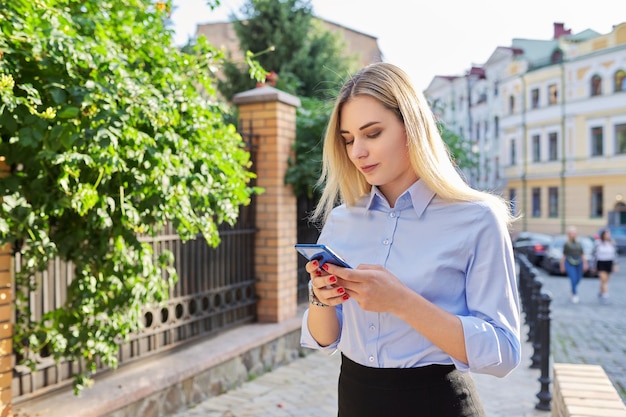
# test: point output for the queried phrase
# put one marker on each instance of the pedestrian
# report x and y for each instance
(605, 257)
(573, 262)
(432, 291)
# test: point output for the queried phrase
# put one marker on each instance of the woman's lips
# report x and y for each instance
(368, 168)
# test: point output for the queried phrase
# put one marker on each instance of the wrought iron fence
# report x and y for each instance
(215, 291)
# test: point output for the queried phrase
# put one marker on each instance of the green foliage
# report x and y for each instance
(459, 148)
(110, 132)
(305, 167)
(286, 39)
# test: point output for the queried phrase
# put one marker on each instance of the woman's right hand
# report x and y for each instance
(325, 285)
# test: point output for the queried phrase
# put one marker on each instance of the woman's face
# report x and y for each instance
(376, 144)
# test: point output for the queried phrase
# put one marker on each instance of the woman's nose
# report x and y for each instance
(359, 149)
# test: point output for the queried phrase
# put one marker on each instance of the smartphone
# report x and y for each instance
(321, 253)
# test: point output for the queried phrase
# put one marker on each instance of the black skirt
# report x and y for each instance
(429, 391)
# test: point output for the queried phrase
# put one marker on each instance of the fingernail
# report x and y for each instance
(318, 273)
(325, 267)
(315, 264)
(345, 297)
(332, 278)
(340, 290)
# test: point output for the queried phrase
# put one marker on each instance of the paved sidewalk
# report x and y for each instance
(580, 333)
(308, 388)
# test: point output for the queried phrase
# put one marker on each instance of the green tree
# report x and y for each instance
(108, 138)
(288, 40)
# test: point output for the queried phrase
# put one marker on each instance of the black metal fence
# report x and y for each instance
(307, 233)
(215, 291)
(536, 306)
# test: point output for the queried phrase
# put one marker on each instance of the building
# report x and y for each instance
(364, 46)
(547, 121)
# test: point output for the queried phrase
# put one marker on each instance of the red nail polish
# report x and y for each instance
(345, 297)
(325, 267)
(318, 273)
(332, 278)
(315, 263)
(340, 290)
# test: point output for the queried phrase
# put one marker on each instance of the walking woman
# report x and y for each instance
(605, 253)
(573, 261)
(432, 293)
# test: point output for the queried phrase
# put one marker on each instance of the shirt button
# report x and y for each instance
(372, 327)
(386, 242)
(371, 359)
(392, 214)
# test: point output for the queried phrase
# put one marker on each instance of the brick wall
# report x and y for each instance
(6, 327)
(271, 115)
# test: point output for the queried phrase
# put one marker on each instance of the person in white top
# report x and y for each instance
(605, 254)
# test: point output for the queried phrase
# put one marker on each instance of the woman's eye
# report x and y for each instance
(349, 142)
(373, 135)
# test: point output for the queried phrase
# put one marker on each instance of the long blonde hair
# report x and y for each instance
(429, 155)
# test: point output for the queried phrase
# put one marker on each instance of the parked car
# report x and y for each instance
(618, 234)
(533, 245)
(554, 252)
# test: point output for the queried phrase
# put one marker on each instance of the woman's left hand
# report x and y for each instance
(372, 286)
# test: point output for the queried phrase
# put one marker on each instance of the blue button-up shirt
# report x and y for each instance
(457, 255)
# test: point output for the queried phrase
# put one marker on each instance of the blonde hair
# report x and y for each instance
(429, 155)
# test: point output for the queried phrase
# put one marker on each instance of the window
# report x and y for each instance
(596, 85)
(553, 202)
(553, 146)
(497, 167)
(513, 154)
(513, 201)
(536, 202)
(496, 86)
(534, 98)
(620, 139)
(536, 139)
(597, 141)
(597, 197)
(620, 81)
(511, 104)
(553, 94)
(496, 126)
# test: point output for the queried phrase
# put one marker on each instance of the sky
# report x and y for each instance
(430, 38)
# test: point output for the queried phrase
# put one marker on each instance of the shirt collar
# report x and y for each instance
(418, 195)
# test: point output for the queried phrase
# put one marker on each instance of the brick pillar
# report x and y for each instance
(6, 326)
(271, 115)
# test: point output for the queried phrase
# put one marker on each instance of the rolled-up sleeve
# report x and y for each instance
(492, 327)
(307, 340)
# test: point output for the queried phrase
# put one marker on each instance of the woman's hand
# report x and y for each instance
(372, 286)
(325, 285)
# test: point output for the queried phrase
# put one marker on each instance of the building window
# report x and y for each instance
(513, 201)
(596, 85)
(536, 148)
(597, 197)
(620, 81)
(511, 104)
(536, 192)
(497, 167)
(553, 146)
(534, 98)
(496, 126)
(553, 202)
(620, 139)
(553, 94)
(597, 141)
(513, 153)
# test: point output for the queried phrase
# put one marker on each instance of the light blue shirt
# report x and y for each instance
(457, 255)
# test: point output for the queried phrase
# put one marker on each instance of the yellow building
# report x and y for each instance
(548, 118)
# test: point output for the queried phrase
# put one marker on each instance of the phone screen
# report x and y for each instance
(321, 253)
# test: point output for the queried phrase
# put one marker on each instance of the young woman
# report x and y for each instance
(432, 294)
(573, 262)
(605, 254)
